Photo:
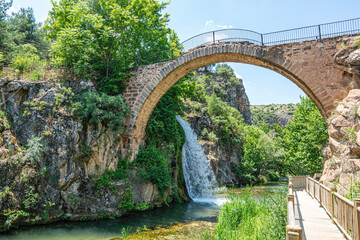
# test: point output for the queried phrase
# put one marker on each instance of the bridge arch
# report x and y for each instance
(308, 64)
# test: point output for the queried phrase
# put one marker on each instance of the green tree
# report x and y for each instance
(303, 138)
(4, 6)
(23, 29)
(101, 38)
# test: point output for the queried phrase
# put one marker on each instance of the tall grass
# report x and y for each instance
(248, 218)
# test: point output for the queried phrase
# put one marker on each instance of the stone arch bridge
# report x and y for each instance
(308, 64)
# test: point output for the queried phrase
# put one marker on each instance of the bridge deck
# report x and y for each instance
(313, 219)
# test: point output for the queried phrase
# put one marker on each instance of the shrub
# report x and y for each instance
(110, 111)
(25, 63)
(25, 58)
(154, 167)
(34, 150)
(273, 176)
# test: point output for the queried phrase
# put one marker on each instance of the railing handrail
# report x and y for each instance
(343, 212)
(318, 31)
(293, 231)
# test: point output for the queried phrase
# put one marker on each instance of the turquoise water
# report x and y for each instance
(107, 229)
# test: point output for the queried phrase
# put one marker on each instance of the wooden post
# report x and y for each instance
(320, 194)
(290, 198)
(332, 207)
(313, 189)
(291, 187)
(293, 232)
(356, 218)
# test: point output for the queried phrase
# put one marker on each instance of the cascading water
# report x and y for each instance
(199, 178)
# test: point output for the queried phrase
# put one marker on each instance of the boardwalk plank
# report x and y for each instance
(313, 219)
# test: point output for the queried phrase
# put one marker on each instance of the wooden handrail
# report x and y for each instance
(343, 212)
(293, 231)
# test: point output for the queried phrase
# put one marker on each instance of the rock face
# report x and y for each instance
(279, 114)
(59, 183)
(229, 89)
(222, 158)
(342, 156)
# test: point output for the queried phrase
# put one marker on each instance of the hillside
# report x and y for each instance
(273, 113)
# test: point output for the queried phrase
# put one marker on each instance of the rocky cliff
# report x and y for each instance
(50, 161)
(273, 113)
(230, 89)
(342, 155)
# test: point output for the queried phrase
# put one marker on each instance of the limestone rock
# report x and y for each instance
(63, 174)
(342, 158)
(354, 58)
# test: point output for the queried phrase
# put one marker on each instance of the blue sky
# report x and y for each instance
(192, 17)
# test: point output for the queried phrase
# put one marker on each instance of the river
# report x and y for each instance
(107, 229)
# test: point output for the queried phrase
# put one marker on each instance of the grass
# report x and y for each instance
(246, 217)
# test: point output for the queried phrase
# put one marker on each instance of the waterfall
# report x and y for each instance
(199, 177)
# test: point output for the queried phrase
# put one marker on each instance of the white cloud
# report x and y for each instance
(209, 23)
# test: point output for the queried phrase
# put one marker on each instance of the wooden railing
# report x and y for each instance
(293, 231)
(344, 213)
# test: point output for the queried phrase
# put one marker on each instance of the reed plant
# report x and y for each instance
(247, 217)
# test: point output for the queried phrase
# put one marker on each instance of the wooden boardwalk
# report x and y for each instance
(313, 219)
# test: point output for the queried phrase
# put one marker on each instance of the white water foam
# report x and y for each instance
(199, 177)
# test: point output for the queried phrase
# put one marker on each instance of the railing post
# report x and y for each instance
(291, 198)
(332, 207)
(313, 190)
(356, 218)
(214, 37)
(319, 27)
(320, 194)
(293, 232)
(172, 54)
(262, 39)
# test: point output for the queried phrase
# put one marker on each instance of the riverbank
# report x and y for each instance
(180, 221)
(249, 214)
(191, 230)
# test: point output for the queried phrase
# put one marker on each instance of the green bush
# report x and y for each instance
(25, 58)
(154, 167)
(273, 176)
(25, 63)
(34, 150)
(121, 173)
(109, 111)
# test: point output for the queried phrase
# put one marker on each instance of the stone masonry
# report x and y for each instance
(309, 64)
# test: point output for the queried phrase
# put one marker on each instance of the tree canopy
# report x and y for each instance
(102, 39)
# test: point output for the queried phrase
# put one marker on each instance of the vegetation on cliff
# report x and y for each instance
(87, 46)
(269, 148)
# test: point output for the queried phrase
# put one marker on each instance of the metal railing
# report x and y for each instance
(321, 31)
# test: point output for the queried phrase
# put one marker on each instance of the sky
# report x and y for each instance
(191, 17)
